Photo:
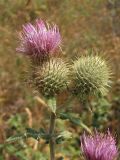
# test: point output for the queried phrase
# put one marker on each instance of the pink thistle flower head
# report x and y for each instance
(99, 146)
(39, 40)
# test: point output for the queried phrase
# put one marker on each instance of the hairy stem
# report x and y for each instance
(51, 132)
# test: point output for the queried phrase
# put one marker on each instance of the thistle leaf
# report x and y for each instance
(30, 133)
(16, 138)
(74, 120)
(33, 133)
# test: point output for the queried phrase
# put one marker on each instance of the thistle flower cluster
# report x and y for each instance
(39, 42)
(90, 74)
(99, 146)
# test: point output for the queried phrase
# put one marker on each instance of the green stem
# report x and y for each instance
(51, 132)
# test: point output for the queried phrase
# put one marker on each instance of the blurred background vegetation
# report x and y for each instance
(84, 24)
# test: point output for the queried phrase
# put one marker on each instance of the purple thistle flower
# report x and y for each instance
(38, 40)
(99, 146)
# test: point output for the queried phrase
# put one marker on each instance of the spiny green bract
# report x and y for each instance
(90, 76)
(52, 77)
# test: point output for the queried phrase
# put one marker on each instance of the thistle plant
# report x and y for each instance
(99, 146)
(50, 75)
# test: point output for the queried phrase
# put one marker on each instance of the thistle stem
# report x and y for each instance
(51, 132)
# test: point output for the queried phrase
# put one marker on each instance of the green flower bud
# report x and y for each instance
(90, 76)
(52, 77)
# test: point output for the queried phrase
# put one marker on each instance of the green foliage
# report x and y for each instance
(100, 112)
(16, 121)
(16, 138)
(75, 119)
(22, 153)
(30, 133)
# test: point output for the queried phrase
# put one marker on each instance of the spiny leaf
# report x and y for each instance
(32, 133)
(16, 138)
(41, 130)
(74, 120)
(63, 116)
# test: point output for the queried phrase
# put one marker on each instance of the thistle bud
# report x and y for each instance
(52, 77)
(90, 76)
